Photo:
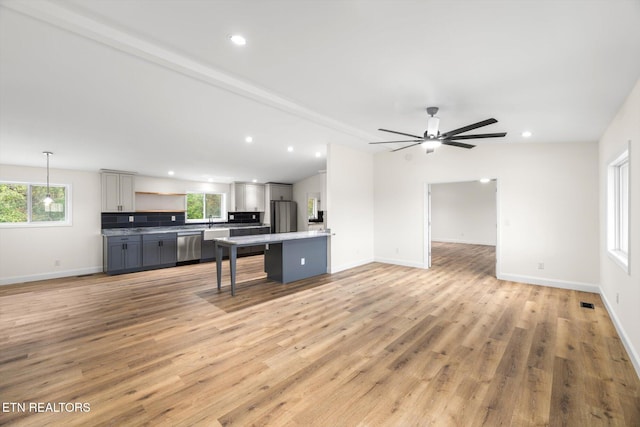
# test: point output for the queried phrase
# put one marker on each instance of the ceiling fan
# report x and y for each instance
(432, 137)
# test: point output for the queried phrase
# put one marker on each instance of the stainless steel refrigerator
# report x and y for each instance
(284, 216)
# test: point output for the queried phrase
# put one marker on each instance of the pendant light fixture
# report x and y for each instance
(48, 199)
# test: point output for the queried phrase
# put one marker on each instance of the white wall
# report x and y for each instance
(35, 253)
(301, 189)
(547, 206)
(464, 212)
(349, 206)
(167, 185)
(614, 281)
(32, 253)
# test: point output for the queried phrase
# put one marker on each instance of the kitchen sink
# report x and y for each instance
(214, 233)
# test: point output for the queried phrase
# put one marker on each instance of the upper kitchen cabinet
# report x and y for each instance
(246, 197)
(275, 191)
(118, 192)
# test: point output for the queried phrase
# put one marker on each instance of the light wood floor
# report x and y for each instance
(376, 345)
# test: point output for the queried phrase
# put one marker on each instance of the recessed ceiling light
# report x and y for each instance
(249, 139)
(484, 180)
(238, 39)
(254, 180)
(171, 172)
(526, 134)
(290, 149)
(210, 180)
(318, 154)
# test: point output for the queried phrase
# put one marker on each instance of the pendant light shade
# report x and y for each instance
(47, 200)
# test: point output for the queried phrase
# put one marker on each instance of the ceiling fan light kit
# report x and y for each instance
(433, 123)
(432, 137)
(431, 144)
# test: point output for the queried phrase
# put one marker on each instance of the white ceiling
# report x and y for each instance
(155, 85)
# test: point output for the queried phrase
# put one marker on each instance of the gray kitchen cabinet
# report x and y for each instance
(159, 250)
(276, 191)
(247, 197)
(117, 192)
(208, 251)
(122, 254)
(249, 231)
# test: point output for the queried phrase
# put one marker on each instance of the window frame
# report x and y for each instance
(223, 207)
(30, 223)
(618, 209)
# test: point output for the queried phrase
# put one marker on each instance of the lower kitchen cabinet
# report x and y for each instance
(122, 254)
(250, 231)
(208, 246)
(159, 250)
(208, 252)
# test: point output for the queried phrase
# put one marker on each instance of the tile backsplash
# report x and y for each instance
(141, 219)
(244, 217)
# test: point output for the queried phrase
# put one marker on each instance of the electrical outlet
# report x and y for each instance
(56, 263)
(173, 217)
(130, 218)
(301, 261)
(541, 266)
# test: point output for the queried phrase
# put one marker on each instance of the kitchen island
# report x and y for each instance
(288, 256)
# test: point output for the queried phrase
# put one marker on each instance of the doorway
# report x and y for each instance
(459, 215)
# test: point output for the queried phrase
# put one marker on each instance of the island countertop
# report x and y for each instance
(265, 239)
(288, 256)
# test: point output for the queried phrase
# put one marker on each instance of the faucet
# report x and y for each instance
(210, 221)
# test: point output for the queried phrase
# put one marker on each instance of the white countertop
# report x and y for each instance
(265, 239)
(175, 229)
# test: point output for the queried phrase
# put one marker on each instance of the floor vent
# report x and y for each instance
(587, 305)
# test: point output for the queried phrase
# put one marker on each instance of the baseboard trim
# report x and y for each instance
(400, 262)
(464, 242)
(633, 354)
(562, 284)
(354, 264)
(46, 276)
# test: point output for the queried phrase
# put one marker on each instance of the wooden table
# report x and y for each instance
(288, 256)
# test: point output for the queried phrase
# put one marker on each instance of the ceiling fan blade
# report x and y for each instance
(457, 144)
(468, 128)
(400, 133)
(406, 140)
(480, 135)
(408, 146)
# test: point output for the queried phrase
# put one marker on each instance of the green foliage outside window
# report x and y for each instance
(13, 203)
(53, 212)
(15, 206)
(202, 206)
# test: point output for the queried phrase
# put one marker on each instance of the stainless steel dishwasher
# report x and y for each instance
(189, 245)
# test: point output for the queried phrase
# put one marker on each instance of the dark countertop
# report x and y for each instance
(175, 229)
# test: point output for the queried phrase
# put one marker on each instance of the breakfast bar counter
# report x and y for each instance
(288, 256)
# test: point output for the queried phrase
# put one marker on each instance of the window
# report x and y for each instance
(618, 210)
(23, 204)
(206, 206)
(312, 208)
